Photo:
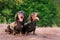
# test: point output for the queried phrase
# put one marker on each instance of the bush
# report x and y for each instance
(47, 11)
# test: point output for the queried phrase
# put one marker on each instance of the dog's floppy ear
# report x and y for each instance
(16, 17)
(30, 18)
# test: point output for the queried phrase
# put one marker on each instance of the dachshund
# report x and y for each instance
(16, 27)
(30, 26)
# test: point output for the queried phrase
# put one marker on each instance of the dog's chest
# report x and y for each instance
(30, 27)
(20, 25)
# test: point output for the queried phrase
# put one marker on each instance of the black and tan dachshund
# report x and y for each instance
(16, 27)
(30, 26)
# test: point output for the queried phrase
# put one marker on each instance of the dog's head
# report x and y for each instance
(20, 16)
(34, 16)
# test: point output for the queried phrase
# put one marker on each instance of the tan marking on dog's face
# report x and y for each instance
(35, 17)
(20, 17)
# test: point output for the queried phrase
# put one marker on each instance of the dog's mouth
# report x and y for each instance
(37, 18)
(21, 18)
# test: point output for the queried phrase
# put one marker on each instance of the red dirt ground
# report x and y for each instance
(41, 34)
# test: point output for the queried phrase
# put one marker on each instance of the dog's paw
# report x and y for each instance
(6, 30)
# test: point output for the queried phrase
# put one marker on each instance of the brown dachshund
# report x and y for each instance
(16, 27)
(31, 25)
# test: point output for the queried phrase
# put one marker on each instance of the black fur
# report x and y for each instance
(18, 28)
(9, 30)
(20, 25)
(30, 26)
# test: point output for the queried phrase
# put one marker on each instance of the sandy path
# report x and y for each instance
(42, 34)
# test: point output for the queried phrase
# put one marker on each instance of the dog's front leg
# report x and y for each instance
(21, 34)
(34, 32)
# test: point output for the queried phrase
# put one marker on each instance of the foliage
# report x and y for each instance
(47, 11)
(57, 4)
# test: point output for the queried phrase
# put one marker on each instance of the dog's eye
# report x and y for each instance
(21, 17)
(37, 15)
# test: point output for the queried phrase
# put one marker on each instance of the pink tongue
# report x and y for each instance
(21, 20)
(37, 18)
